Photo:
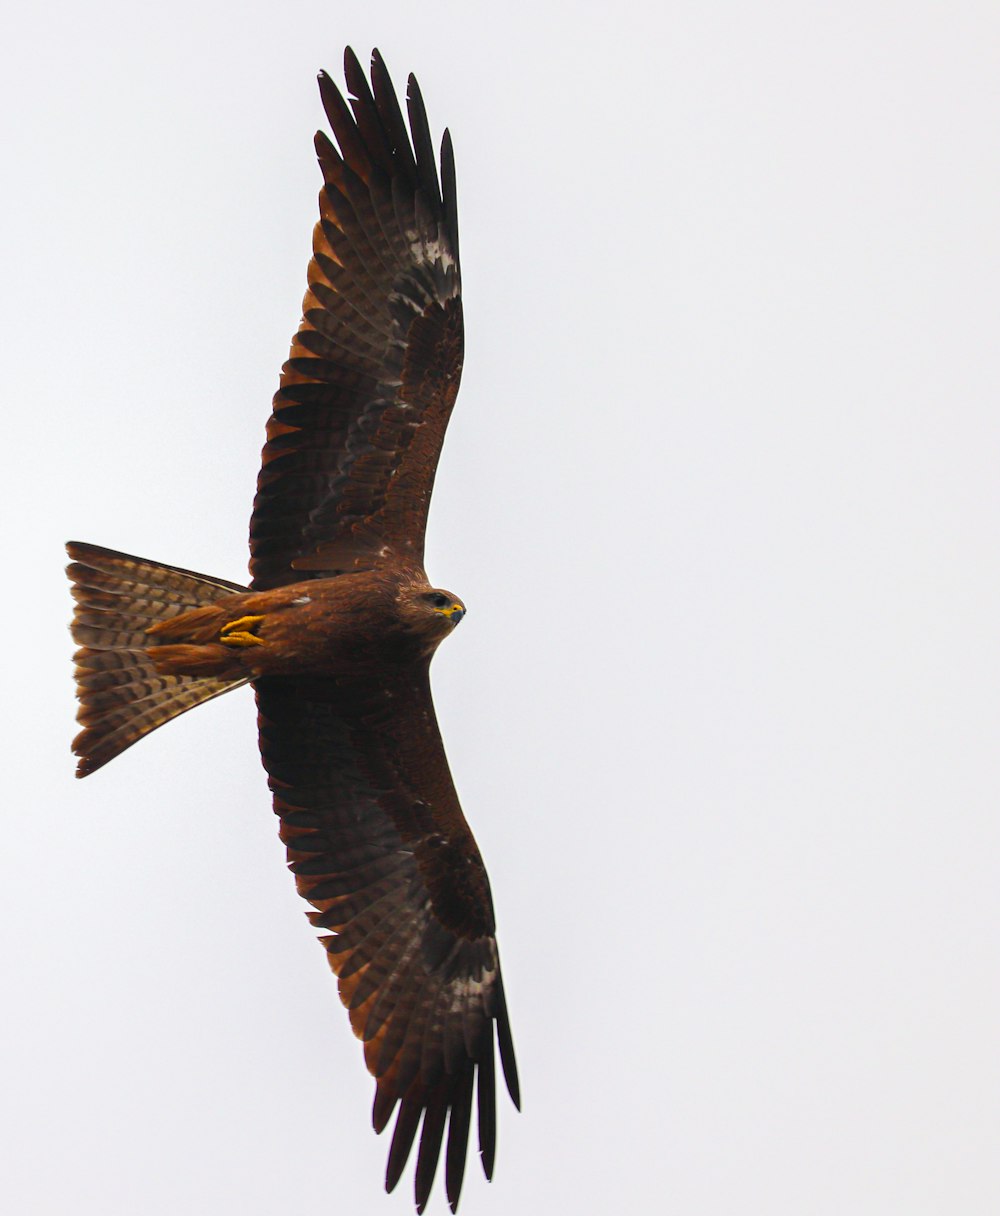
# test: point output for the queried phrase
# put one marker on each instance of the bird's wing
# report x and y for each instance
(358, 422)
(378, 844)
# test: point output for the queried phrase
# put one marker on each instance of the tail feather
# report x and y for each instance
(122, 695)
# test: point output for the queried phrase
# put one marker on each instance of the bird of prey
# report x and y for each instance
(336, 632)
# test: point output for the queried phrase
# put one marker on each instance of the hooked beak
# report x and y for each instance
(454, 613)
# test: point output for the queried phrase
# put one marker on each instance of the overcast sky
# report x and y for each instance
(720, 493)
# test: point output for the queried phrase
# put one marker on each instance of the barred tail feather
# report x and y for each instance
(122, 696)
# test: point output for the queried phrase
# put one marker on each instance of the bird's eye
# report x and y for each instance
(439, 600)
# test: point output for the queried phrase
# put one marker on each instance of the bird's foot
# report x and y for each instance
(241, 632)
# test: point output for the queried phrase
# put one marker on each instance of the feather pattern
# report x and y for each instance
(360, 415)
(122, 696)
(379, 846)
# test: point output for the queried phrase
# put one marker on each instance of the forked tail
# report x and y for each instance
(122, 696)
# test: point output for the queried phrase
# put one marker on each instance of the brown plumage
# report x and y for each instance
(336, 633)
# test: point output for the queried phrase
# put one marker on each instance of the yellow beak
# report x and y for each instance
(454, 612)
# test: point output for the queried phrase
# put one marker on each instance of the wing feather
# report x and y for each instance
(458, 1137)
(366, 393)
(366, 114)
(487, 1110)
(449, 191)
(407, 1122)
(353, 149)
(431, 1135)
(422, 145)
(392, 119)
(379, 846)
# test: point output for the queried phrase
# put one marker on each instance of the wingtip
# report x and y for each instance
(505, 1043)
(488, 1163)
(354, 73)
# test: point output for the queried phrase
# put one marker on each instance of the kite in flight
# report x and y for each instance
(336, 633)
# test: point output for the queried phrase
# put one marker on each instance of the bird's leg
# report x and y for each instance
(241, 632)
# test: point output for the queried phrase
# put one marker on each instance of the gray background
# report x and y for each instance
(721, 494)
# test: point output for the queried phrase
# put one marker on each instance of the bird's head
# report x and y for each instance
(443, 607)
(431, 612)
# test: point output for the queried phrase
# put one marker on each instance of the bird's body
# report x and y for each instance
(336, 633)
(345, 627)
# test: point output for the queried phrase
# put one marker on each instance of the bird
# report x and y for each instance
(336, 631)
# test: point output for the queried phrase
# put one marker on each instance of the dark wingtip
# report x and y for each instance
(423, 148)
(458, 1135)
(505, 1042)
(486, 1102)
(403, 1135)
(382, 1109)
(353, 71)
(449, 191)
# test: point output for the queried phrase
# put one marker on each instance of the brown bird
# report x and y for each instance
(337, 630)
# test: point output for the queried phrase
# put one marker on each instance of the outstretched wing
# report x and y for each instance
(380, 848)
(358, 422)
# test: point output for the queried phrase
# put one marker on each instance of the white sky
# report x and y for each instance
(721, 494)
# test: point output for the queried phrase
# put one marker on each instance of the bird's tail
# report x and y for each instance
(122, 696)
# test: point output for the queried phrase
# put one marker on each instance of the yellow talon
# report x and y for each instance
(240, 632)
